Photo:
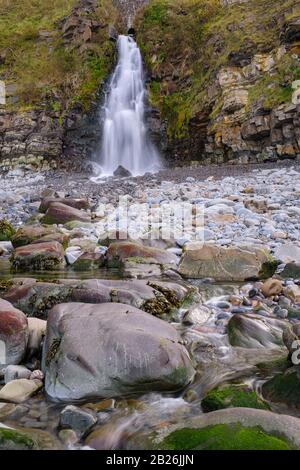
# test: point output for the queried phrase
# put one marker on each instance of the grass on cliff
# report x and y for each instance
(186, 42)
(45, 68)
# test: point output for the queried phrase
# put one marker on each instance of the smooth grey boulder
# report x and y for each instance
(78, 419)
(254, 331)
(110, 350)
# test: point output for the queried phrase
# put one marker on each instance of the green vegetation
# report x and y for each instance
(186, 42)
(44, 68)
(6, 231)
(231, 397)
(10, 439)
(284, 388)
(224, 437)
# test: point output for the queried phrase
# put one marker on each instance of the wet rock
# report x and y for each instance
(122, 172)
(37, 331)
(232, 396)
(124, 350)
(272, 287)
(223, 264)
(26, 439)
(59, 213)
(13, 334)
(30, 233)
(284, 388)
(232, 429)
(68, 437)
(291, 270)
(119, 252)
(89, 262)
(47, 256)
(6, 409)
(252, 331)
(78, 419)
(18, 391)
(16, 372)
(197, 315)
(75, 203)
(288, 253)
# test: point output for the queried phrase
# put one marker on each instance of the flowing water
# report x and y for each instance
(125, 141)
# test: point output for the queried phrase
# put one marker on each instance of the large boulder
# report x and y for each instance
(30, 233)
(119, 252)
(46, 256)
(59, 213)
(75, 203)
(225, 264)
(37, 298)
(229, 429)
(20, 390)
(254, 331)
(109, 350)
(13, 334)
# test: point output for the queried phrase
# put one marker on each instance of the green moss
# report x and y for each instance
(230, 397)
(10, 439)
(284, 388)
(6, 230)
(268, 269)
(224, 437)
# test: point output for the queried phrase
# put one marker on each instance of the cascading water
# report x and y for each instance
(125, 139)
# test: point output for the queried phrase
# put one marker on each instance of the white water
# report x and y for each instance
(125, 139)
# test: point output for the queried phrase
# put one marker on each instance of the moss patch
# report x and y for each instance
(6, 231)
(224, 437)
(232, 396)
(10, 439)
(284, 388)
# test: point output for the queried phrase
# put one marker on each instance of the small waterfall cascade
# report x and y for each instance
(124, 140)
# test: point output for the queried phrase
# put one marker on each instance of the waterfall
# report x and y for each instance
(125, 139)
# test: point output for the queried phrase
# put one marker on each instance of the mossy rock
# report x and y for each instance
(284, 388)
(10, 439)
(6, 231)
(268, 268)
(232, 397)
(224, 437)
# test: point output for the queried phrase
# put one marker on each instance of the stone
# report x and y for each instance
(118, 252)
(272, 287)
(223, 264)
(123, 351)
(292, 292)
(197, 315)
(46, 256)
(18, 391)
(16, 372)
(78, 419)
(290, 337)
(89, 261)
(284, 388)
(30, 233)
(288, 253)
(59, 213)
(122, 172)
(291, 270)
(37, 331)
(21, 438)
(230, 429)
(232, 396)
(75, 203)
(253, 331)
(13, 334)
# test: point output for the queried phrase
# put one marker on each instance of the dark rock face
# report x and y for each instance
(124, 351)
(122, 172)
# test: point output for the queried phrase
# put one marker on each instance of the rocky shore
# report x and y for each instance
(118, 342)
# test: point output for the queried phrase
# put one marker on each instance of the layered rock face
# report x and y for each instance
(230, 89)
